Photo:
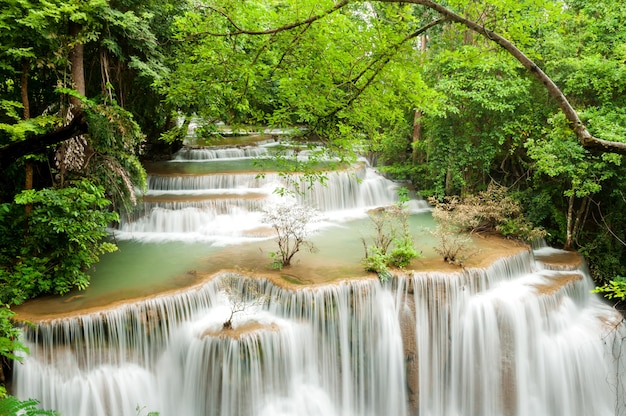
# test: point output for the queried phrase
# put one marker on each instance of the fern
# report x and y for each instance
(11, 406)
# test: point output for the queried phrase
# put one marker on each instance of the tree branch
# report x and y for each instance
(383, 60)
(240, 31)
(39, 143)
(587, 140)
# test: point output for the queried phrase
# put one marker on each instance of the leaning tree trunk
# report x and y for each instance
(586, 139)
(40, 143)
(417, 137)
(417, 156)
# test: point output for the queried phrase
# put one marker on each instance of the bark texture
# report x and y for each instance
(76, 57)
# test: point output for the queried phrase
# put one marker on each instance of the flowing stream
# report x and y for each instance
(521, 337)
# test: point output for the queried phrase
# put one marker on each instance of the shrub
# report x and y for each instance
(492, 210)
(376, 262)
(453, 245)
(51, 249)
(614, 289)
(392, 244)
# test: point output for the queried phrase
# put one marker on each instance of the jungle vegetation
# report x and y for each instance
(453, 96)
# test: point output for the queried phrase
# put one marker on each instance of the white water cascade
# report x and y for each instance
(514, 339)
(226, 207)
(522, 337)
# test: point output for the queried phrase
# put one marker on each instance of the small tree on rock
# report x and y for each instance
(291, 222)
(242, 294)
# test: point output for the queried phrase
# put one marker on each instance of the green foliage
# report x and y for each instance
(375, 261)
(112, 159)
(10, 405)
(140, 411)
(51, 249)
(478, 121)
(20, 129)
(402, 253)
(559, 155)
(351, 77)
(392, 244)
(10, 345)
(117, 142)
(614, 289)
(11, 348)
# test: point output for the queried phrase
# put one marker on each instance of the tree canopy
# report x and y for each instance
(450, 95)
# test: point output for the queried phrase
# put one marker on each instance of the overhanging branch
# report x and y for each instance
(39, 143)
(240, 31)
(587, 140)
(382, 61)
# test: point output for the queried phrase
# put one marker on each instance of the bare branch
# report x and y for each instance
(606, 225)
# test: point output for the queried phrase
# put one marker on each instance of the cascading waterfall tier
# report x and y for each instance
(522, 337)
(513, 339)
(192, 199)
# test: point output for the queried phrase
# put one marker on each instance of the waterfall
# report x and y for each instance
(522, 337)
(226, 208)
(513, 339)
(334, 350)
(204, 154)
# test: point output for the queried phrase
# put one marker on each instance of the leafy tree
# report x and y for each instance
(585, 56)
(479, 124)
(53, 231)
(63, 238)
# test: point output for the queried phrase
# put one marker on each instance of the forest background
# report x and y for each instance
(429, 91)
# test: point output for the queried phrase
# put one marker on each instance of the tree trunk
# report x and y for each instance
(24, 88)
(417, 124)
(76, 57)
(576, 223)
(28, 174)
(449, 178)
(570, 218)
(417, 136)
(107, 90)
